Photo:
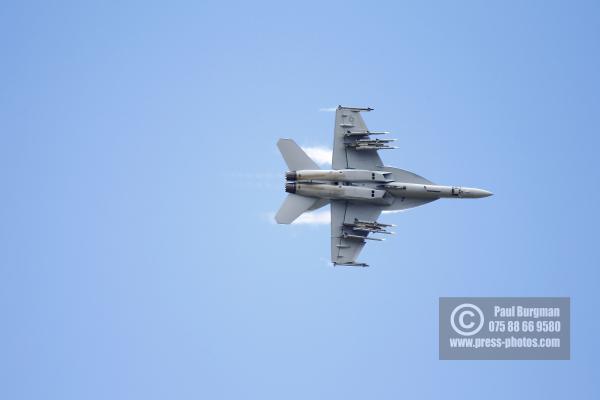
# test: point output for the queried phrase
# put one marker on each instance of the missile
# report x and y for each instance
(365, 133)
(340, 107)
(349, 236)
(358, 221)
(370, 230)
(375, 140)
(371, 144)
(351, 264)
(370, 227)
(375, 147)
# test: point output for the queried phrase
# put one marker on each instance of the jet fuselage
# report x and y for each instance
(369, 186)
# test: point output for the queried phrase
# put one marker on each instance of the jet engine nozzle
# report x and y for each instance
(291, 176)
(290, 187)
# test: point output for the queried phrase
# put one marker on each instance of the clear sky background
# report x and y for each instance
(139, 169)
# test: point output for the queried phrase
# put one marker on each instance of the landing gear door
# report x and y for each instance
(456, 191)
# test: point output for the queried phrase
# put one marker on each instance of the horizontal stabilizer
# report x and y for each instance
(293, 206)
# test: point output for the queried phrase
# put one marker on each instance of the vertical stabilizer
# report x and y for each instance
(293, 206)
(295, 158)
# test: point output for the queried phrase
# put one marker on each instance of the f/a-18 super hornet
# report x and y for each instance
(358, 187)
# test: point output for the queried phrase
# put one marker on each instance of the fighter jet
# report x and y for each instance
(358, 188)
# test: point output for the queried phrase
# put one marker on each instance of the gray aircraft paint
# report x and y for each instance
(358, 187)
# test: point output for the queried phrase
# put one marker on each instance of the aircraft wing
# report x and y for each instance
(346, 242)
(351, 147)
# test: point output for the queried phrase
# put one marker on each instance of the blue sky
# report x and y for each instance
(138, 166)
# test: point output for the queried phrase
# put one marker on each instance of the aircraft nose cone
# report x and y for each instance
(479, 193)
(474, 193)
